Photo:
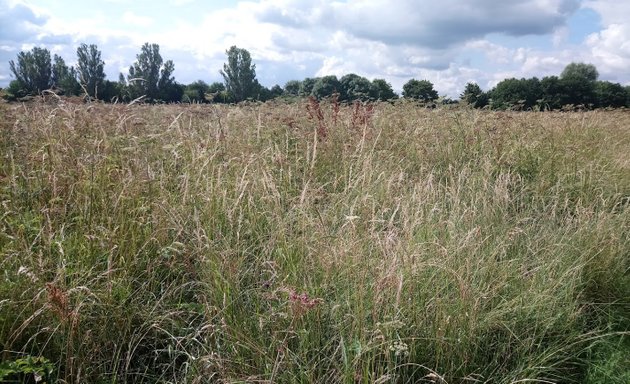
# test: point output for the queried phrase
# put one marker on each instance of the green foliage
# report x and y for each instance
(610, 94)
(420, 90)
(218, 94)
(355, 87)
(474, 96)
(306, 86)
(578, 82)
(28, 369)
(239, 74)
(33, 70)
(112, 91)
(151, 77)
(587, 72)
(15, 90)
(276, 91)
(382, 90)
(553, 93)
(196, 92)
(326, 86)
(292, 87)
(521, 94)
(90, 69)
(64, 78)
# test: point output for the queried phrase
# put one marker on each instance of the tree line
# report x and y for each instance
(151, 79)
(577, 87)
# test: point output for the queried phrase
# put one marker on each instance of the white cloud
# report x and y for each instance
(136, 20)
(451, 44)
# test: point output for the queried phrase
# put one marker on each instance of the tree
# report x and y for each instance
(90, 68)
(382, 90)
(171, 91)
(474, 96)
(584, 71)
(609, 94)
(306, 86)
(217, 93)
(511, 93)
(64, 78)
(150, 76)
(326, 86)
(553, 93)
(239, 74)
(355, 87)
(196, 92)
(420, 90)
(112, 91)
(292, 87)
(276, 91)
(33, 71)
(578, 80)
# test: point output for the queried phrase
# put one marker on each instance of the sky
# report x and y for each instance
(448, 42)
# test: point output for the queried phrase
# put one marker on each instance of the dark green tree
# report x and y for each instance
(64, 78)
(578, 81)
(239, 74)
(355, 87)
(420, 90)
(15, 90)
(196, 92)
(112, 91)
(151, 76)
(217, 93)
(171, 92)
(90, 68)
(609, 94)
(474, 96)
(515, 93)
(326, 86)
(553, 93)
(382, 90)
(306, 86)
(33, 71)
(276, 91)
(292, 87)
(582, 70)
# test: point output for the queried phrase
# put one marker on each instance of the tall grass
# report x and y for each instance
(293, 243)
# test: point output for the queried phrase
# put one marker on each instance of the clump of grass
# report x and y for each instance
(315, 243)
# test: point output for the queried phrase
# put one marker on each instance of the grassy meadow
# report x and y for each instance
(313, 243)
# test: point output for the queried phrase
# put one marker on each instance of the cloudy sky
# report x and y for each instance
(449, 42)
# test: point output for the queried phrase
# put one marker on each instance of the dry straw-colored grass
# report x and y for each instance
(312, 242)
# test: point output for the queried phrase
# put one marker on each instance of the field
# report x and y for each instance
(313, 243)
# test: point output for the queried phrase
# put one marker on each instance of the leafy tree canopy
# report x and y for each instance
(382, 90)
(355, 87)
(64, 78)
(326, 86)
(32, 71)
(292, 87)
(306, 86)
(151, 77)
(515, 93)
(90, 68)
(420, 90)
(239, 74)
(196, 92)
(584, 71)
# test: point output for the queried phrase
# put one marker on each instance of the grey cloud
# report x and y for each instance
(18, 22)
(421, 23)
(56, 39)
